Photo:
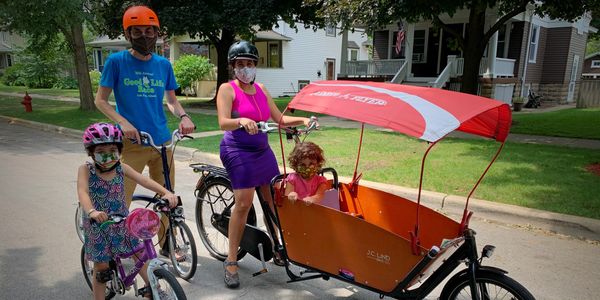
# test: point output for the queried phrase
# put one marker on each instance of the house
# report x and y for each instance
(289, 58)
(528, 52)
(10, 44)
(591, 66)
(103, 46)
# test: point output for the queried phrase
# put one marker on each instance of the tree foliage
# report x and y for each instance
(378, 13)
(42, 21)
(218, 22)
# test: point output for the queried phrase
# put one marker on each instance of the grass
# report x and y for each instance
(572, 123)
(538, 176)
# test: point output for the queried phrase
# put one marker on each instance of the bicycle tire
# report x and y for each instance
(218, 194)
(183, 243)
(87, 267)
(491, 283)
(170, 286)
(79, 223)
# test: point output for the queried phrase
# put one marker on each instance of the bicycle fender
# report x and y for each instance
(154, 264)
(482, 268)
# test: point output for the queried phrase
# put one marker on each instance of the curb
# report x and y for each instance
(512, 215)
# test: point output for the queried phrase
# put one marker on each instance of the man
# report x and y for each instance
(140, 80)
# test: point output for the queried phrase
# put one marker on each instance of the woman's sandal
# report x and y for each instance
(146, 292)
(232, 280)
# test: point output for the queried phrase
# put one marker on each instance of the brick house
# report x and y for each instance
(528, 52)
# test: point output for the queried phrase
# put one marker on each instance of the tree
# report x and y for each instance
(42, 21)
(216, 21)
(377, 13)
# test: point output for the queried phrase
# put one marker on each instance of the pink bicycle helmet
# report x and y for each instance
(102, 133)
(143, 223)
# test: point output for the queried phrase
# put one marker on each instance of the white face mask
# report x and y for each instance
(246, 74)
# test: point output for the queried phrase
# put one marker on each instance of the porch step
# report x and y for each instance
(418, 83)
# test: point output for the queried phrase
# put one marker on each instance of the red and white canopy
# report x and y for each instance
(425, 113)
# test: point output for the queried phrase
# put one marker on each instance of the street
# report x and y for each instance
(39, 249)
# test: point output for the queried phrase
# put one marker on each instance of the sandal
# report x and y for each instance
(180, 257)
(278, 260)
(232, 280)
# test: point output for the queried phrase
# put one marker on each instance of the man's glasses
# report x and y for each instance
(148, 32)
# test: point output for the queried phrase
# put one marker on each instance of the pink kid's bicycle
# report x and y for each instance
(142, 223)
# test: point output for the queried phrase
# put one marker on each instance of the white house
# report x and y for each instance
(9, 46)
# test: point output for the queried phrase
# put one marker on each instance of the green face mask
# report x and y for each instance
(307, 171)
(106, 161)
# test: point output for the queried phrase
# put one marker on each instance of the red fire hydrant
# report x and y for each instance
(27, 102)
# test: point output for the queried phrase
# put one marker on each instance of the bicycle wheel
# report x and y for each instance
(87, 266)
(167, 285)
(182, 250)
(214, 196)
(491, 285)
(79, 222)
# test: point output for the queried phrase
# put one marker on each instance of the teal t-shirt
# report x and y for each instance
(139, 88)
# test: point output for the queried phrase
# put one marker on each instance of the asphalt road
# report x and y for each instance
(39, 250)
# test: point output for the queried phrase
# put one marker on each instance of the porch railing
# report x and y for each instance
(504, 67)
(383, 67)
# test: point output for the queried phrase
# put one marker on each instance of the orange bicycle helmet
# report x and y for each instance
(139, 16)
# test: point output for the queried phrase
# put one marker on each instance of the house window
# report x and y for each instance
(330, 30)
(501, 42)
(595, 63)
(274, 58)
(353, 54)
(419, 48)
(302, 84)
(8, 60)
(533, 43)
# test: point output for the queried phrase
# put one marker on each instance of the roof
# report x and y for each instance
(5, 48)
(270, 35)
(592, 55)
(105, 41)
(353, 45)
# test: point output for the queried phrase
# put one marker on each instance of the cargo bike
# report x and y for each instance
(382, 242)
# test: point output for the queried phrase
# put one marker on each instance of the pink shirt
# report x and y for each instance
(305, 187)
(252, 106)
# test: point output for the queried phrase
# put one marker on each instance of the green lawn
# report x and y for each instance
(537, 176)
(573, 123)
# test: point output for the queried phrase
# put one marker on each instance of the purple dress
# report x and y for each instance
(248, 159)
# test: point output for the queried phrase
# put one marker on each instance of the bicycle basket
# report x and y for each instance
(143, 223)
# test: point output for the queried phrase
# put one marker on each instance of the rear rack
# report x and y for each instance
(202, 167)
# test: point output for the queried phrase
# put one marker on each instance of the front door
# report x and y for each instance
(573, 79)
(330, 65)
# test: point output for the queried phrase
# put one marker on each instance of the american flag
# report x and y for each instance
(399, 38)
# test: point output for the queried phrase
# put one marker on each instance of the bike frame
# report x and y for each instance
(148, 254)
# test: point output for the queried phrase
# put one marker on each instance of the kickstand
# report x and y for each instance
(262, 260)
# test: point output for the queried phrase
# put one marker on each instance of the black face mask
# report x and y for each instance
(144, 45)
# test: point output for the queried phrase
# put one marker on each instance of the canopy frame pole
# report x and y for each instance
(464, 224)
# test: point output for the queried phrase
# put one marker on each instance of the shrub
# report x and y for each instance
(95, 79)
(67, 82)
(190, 68)
(13, 75)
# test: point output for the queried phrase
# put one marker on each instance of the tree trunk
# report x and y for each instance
(222, 45)
(81, 68)
(474, 48)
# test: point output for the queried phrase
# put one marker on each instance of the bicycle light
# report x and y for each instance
(487, 251)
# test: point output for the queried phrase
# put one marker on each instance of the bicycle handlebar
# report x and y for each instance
(160, 205)
(267, 127)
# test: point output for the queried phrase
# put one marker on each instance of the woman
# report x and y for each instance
(245, 152)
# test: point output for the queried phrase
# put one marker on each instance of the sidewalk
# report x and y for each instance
(510, 215)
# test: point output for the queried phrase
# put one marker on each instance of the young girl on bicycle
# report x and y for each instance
(306, 184)
(101, 193)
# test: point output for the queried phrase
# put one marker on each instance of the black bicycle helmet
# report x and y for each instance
(242, 49)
